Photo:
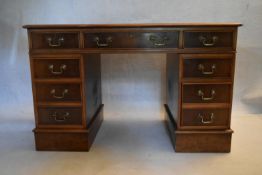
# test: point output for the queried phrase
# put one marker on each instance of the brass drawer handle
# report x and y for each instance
(62, 117)
(62, 69)
(202, 95)
(201, 68)
(158, 41)
(211, 120)
(53, 92)
(53, 42)
(208, 42)
(108, 40)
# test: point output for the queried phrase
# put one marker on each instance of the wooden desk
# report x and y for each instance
(66, 80)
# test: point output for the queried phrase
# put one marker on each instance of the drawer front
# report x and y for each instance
(54, 40)
(59, 116)
(132, 40)
(58, 92)
(205, 117)
(211, 93)
(206, 68)
(56, 68)
(208, 39)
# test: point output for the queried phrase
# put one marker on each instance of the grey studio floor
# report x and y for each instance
(130, 143)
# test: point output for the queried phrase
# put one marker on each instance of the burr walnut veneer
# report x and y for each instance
(66, 80)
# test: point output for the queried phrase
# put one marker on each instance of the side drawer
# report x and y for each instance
(206, 118)
(59, 116)
(56, 67)
(207, 66)
(132, 39)
(206, 93)
(209, 39)
(58, 92)
(54, 40)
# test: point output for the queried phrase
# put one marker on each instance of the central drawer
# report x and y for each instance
(131, 39)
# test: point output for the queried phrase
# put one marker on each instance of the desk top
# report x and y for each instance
(50, 26)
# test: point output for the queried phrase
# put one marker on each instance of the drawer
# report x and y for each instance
(58, 92)
(60, 116)
(54, 40)
(211, 93)
(151, 39)
(206, 66)
(208, 39)
(56, 68)
(206, 118)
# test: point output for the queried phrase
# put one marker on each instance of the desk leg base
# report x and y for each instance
(197, 141)
(69, 140)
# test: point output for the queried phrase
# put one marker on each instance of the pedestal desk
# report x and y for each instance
(66, 80)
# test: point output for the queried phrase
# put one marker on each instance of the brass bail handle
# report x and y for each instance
(158, 41)
(53, 92)
(202, 95)
(60, 118)
(53, 42)
(211, 120)
(108, 41)
(62, 69)
(208, 42)
(201, 68)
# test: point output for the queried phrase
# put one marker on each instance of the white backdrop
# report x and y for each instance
(133, 83)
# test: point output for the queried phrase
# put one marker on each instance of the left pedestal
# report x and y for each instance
(67, 100)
